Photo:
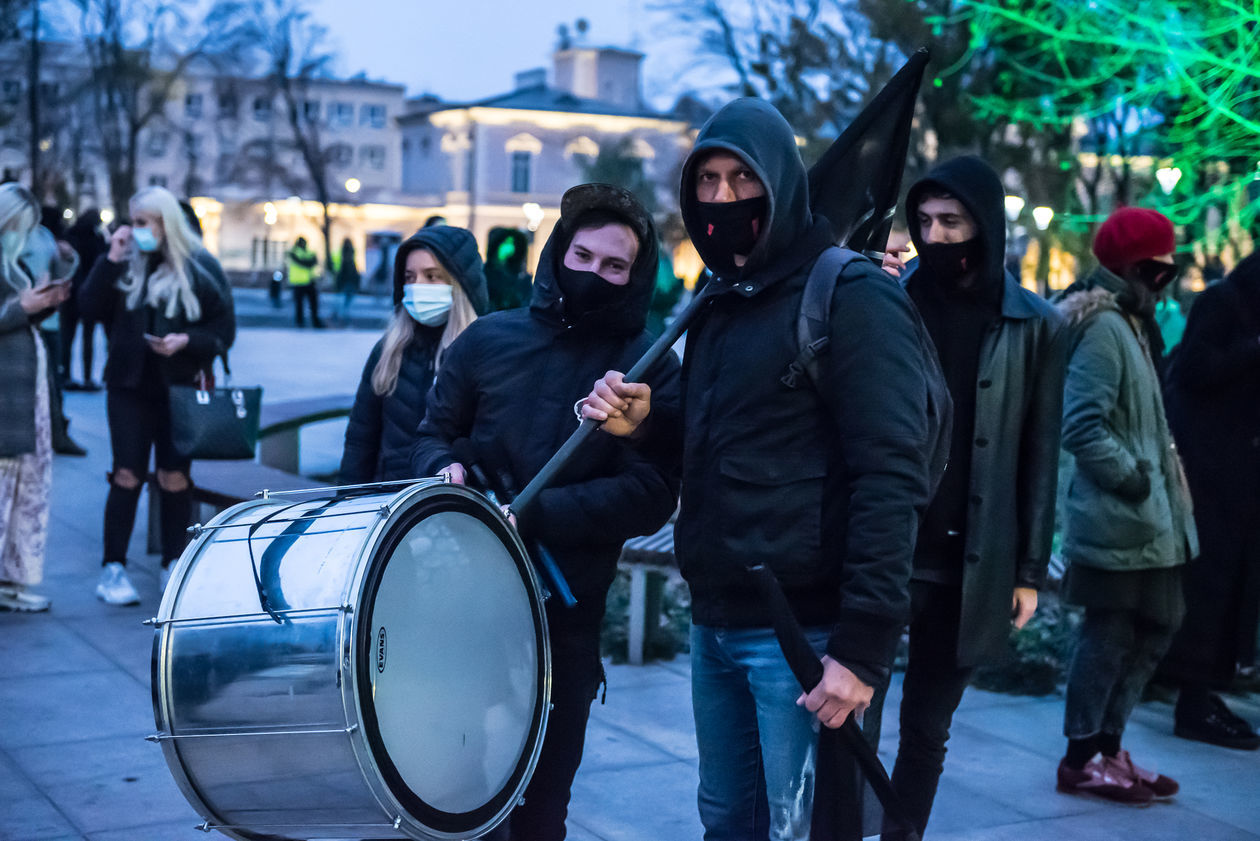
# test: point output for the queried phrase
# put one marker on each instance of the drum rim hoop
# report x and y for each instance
(425, 814)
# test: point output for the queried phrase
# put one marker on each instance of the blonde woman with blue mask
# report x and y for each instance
(170, 314)
(439, 289)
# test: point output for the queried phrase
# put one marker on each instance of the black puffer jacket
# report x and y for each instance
(509, 384)
(382, 428)
(824, 485)
(130, 361)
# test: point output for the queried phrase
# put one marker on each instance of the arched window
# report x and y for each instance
(521, 150)
(582, 145)
(523, 142)
(640, 148)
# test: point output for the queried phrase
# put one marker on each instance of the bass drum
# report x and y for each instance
(353, 666)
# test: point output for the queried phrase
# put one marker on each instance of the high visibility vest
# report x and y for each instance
(300, 275)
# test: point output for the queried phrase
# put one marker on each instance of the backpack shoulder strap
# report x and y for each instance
(815, 315)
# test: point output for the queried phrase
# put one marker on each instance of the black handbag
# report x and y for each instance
(209, 422)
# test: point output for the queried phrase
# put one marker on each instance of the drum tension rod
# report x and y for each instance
(167, 737)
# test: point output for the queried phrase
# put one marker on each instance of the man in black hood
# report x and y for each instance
(507, 386)
(984, 542)
(822, 485)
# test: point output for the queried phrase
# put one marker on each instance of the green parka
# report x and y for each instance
(1113, 416)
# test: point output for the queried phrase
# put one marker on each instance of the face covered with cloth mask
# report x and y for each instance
(595, 273)
(427, 291)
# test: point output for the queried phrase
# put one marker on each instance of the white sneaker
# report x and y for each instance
(115, 587)
(164, 578)
(17, 598)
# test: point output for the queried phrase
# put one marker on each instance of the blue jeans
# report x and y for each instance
(757, 748)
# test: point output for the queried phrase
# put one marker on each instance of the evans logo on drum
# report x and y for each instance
(380, 650)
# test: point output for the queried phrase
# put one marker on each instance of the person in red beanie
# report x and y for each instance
(1128, 526)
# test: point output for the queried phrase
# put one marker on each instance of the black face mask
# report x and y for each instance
(586, 292)
(950, 262)
(728, 228)
(1155, 275)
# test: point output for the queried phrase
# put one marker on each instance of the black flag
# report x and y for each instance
(857, 181)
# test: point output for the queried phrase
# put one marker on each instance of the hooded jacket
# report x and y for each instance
(1213, 393)
(509, 383)
(382, 428)
(824, 485)
(1113, 417)
(507, 281)
(1003, 468)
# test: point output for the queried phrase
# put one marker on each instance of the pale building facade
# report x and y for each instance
(227, 143)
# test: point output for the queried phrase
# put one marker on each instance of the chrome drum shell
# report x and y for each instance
(266, 705)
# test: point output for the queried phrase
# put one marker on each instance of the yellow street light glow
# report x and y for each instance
(353, 185)
(107, 216)
(1042, 216)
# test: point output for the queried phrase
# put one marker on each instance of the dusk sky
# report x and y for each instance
(468, 49)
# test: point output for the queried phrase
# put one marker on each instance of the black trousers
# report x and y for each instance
(576, 673)
(140, 423)
(70, 321)
(930, 694)
(310, 293)
(56, 402)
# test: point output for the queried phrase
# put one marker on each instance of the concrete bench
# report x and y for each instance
(648, 560)
(280, 427)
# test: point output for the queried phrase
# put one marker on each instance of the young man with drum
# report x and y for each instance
(504, 398)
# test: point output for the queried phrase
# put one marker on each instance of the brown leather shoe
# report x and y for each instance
(1160, 785)
(1104, 777)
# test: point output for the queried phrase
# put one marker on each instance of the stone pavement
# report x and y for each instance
(75, 702)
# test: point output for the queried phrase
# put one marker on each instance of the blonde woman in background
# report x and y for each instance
(25, 423)
(439, 289)
(170, 311)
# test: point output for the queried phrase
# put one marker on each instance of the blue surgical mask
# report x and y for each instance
(145, 239)
(428, 303)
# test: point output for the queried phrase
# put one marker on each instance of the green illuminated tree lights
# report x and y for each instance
(1181, 78)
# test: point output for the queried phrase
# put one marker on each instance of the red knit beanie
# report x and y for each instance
(1133, 234)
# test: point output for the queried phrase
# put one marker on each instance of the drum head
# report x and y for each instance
(452, 670)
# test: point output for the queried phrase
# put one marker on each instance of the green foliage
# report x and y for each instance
(617, 164)
(664, 642)
(1038, 655)
(1175, 79)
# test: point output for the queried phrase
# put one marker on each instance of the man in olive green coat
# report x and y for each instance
(1128, 526)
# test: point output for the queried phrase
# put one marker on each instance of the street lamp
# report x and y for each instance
(1014, 204)
(353, 185)
(269, 213)
(1042, 216)
(1168, 176)
(533, 215)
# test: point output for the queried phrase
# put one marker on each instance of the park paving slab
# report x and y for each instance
(75, 704)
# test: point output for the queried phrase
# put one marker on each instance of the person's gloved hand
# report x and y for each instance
(1136, 487)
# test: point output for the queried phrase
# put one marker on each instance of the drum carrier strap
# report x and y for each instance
(264, 600)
